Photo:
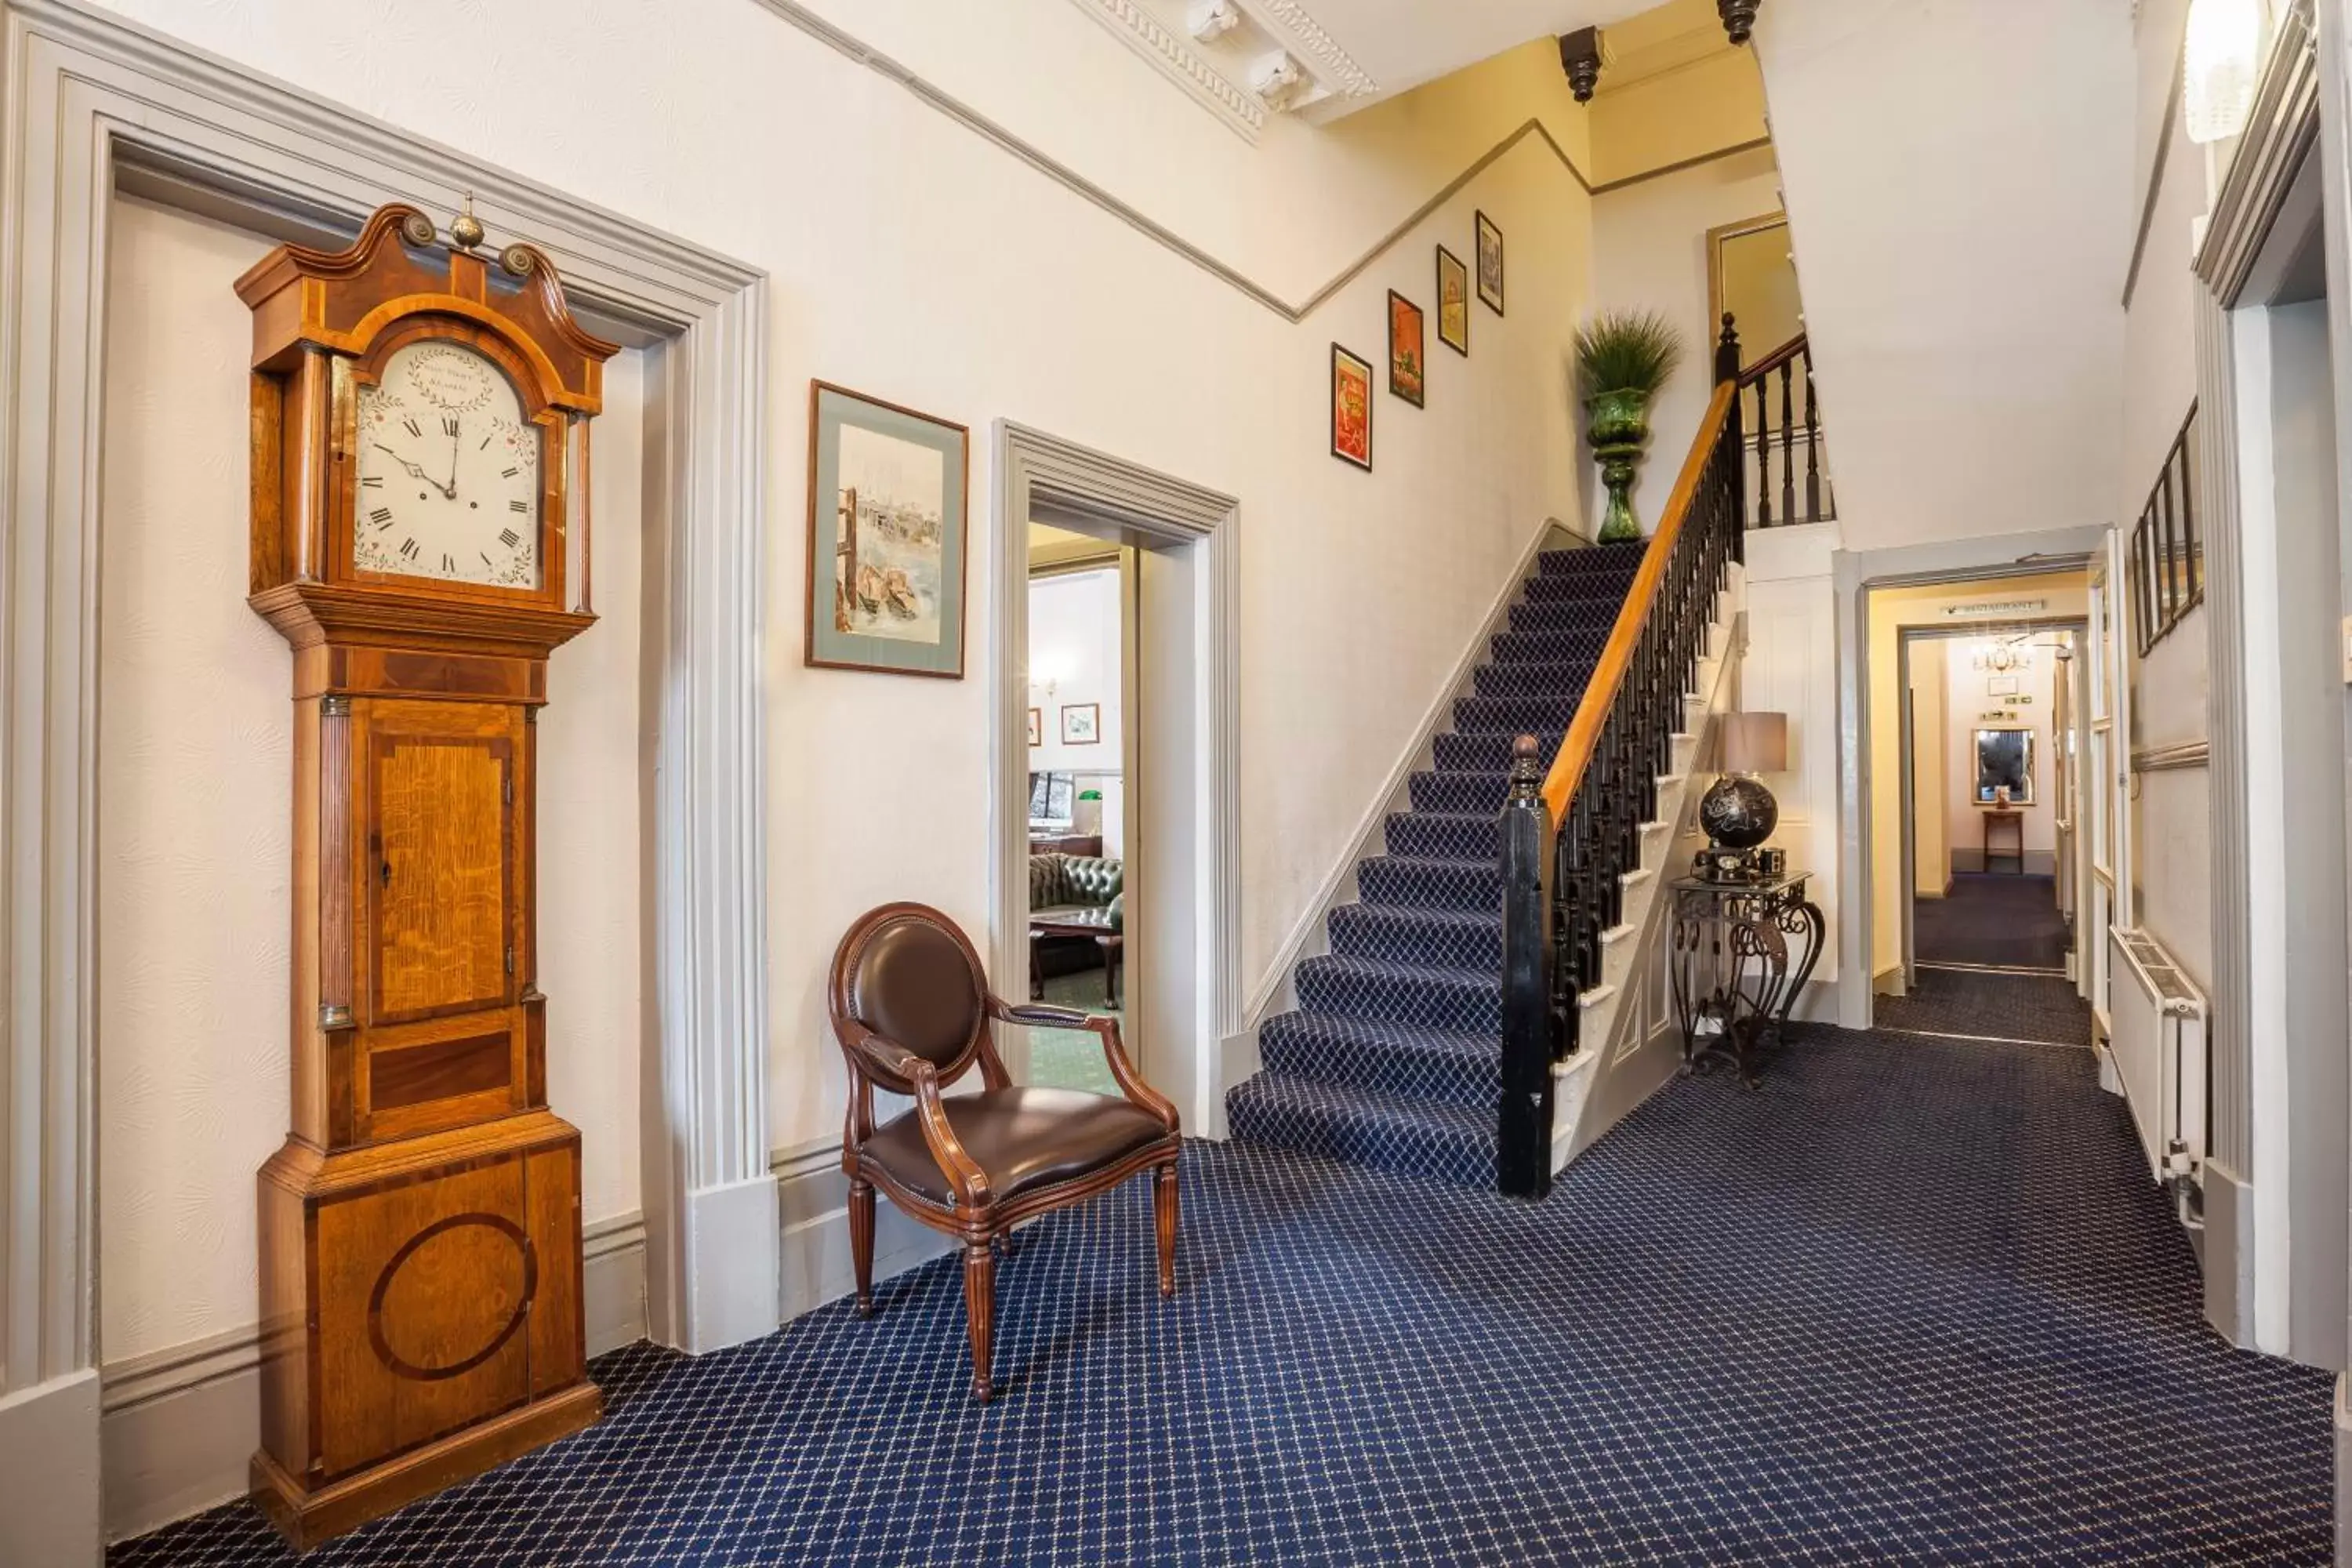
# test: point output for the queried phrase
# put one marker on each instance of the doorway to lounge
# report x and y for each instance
(1177, 805)
(1083, 719)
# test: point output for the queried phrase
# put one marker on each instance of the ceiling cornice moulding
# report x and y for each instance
(1331, 64)
(1174, 56)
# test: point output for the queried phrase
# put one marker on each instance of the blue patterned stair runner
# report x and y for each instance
(1394, 1059)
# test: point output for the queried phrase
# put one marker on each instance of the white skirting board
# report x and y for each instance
(177, 1426)
(816, 1264)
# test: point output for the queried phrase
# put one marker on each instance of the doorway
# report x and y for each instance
(1992, 771)
(1180, 921)
(1080, 815)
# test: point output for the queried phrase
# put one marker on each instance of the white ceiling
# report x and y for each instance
(1400, 44)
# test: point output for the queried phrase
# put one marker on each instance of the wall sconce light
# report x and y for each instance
(2221, 62)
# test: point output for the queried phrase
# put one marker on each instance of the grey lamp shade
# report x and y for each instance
(1755, 742)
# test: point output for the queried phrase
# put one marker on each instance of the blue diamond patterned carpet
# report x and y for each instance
(2040, 1008)
(1393, 1057)
(1911, 1301)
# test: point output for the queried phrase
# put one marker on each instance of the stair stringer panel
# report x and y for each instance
(1629, 1045)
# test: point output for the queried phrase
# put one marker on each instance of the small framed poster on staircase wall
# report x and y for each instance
(1352, 408)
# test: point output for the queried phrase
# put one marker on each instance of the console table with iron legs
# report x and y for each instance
(1733, 982)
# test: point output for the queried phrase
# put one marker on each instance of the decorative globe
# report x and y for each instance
(1739, 812)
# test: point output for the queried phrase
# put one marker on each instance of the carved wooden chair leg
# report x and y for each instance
(861, 1243)
(1163, 1196)
(980, 1313)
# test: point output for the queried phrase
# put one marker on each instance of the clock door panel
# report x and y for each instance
(438, 852)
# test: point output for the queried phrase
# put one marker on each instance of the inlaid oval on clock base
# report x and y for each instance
(420, 530)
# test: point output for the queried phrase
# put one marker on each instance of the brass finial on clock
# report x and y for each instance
(466, 229)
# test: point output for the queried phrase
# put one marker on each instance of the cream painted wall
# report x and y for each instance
(1791, 668)
(1959, 187)
(2062, 593)
(1712, 103)
(1648, 252)
(922, 263)
(1931, 782)
(195, 770)
(2171, 811)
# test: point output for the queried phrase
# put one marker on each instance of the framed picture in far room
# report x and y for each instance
(1082, 724)
(1453, 301)
(1037, 726)
(1407, 346)
(886, 534)
(1490, 264)
(1352, 408)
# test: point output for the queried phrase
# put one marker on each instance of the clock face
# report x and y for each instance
(448, 471)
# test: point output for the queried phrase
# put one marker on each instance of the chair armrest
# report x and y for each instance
(1130, 1082)
(871, 1052)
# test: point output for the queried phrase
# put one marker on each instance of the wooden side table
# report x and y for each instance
(2015, 822)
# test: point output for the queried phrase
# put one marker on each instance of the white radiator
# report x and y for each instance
(2158, 1052)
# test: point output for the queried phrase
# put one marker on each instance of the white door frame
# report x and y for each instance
(1186, 739)
(90, 96)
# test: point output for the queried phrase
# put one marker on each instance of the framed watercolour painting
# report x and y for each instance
(1082, 724)
(1036, 726)
(888, 530)
(1406, 348)
(1351, 409)
(1453, 301)
(1490, 264)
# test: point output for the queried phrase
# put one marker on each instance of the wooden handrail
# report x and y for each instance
(1773, 361)
(1601, 691)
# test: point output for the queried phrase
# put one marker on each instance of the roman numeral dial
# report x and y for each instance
(448, 471)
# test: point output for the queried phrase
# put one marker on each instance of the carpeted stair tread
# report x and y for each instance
(1449, 938)
(1533, 678)
(1418, 882)
(1624, 557)
(1515, 715)
(1424, 1138)
(1489, 751)
(1549, 615)
(1461, 1000)
(1385, 1058)
(1445, 835)
(1569, 646)
(1469, 790)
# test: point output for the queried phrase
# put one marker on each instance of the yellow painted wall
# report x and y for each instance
(1711, 104)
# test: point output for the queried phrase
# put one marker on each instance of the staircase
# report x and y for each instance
(1392, 1056)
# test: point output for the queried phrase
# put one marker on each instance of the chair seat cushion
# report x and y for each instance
(1024, 1139)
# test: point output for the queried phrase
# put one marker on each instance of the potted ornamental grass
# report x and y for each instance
(1622, 358)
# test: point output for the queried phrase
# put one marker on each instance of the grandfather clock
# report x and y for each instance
(420, 537)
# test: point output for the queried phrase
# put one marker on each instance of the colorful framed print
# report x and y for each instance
(1082, 724)
(1407, 349)
(887, 531)
(1037, 726)
(1453, 301)
(1351, 409)
(1490, 264)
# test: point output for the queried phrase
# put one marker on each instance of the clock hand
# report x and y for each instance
(416, 471)
(456, 427)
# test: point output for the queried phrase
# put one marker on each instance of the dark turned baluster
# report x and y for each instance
(1788, 445)
(1812, 443)
(1763, 458)
(1523, 1115)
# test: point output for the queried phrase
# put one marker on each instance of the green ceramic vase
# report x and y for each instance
(1618, 424)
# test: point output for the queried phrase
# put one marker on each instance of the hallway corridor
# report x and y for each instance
(1913, 1299)
(1992, 920)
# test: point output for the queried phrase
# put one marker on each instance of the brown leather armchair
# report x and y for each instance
(913, 1012)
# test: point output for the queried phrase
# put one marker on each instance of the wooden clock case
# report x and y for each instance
(420, 1228)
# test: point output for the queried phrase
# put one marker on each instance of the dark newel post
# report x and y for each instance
(1726, 351)
(1523, 1121)
(1726, 368)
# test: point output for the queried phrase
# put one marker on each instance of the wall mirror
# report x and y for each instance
(2005, 760)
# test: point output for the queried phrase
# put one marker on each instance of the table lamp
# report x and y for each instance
(1739, 812)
